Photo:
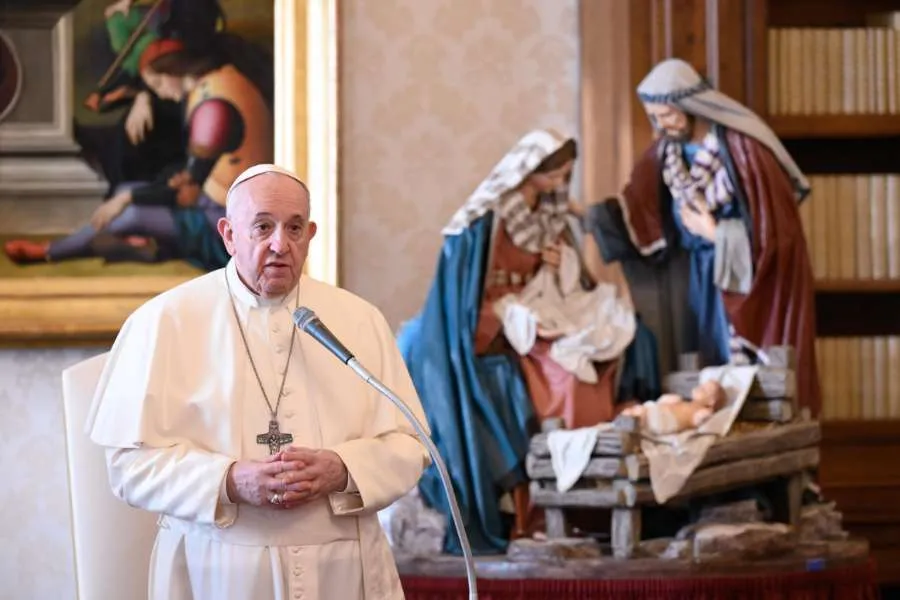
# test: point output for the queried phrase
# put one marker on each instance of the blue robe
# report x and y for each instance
(704, 296)
(478, 407)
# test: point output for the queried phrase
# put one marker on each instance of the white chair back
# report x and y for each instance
(113, 541)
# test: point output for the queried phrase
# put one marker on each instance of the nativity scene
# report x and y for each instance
(541, 383)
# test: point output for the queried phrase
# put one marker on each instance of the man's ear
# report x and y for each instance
(226, 232)
(312, 229)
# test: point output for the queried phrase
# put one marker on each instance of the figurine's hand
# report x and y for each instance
(577, 208)
(551, 255)
(700, 222)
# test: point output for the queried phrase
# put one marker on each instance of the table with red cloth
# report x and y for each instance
(786, 578)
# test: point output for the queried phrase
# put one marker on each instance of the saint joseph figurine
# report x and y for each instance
(708, 229)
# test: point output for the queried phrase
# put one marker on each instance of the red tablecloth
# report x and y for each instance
(840, 583)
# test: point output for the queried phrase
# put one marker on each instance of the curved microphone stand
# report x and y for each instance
(438, 461)
(306, 321)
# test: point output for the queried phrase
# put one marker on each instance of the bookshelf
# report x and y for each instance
(728, 40)
(845, 286)
(828, 82)
(835, 126)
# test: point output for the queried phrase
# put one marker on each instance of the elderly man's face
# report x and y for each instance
(268, 232)
(673, 123)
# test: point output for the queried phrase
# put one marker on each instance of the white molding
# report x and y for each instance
(322, 132)
(55, 136)
(43, 176)
(18, 93)
(285, 93)
(318, 126)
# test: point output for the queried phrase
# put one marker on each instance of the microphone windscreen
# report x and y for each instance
(307, 322)
(303, 317)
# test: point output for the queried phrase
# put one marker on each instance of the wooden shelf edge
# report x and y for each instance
(867, 432)
(835, 126)
(857, 286)
(853, 520)
(856, 485)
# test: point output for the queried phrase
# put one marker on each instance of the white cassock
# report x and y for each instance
(178, 402)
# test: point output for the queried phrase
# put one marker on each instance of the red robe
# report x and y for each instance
(780, 306)
(554, 391)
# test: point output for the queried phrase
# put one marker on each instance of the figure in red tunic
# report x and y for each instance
(716, 198)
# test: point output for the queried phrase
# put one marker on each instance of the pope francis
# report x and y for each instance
(265, 458)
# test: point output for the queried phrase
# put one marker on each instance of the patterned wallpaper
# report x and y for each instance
(433, 94)
(36, 553)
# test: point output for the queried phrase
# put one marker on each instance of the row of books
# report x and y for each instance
(860, 377)
(852, 226)
(817, 71)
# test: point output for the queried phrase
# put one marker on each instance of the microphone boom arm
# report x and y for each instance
(307, 321)
(439, 463)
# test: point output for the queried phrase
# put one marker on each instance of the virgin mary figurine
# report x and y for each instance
(515, 331)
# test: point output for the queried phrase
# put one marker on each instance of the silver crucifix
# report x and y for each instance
(274, 438)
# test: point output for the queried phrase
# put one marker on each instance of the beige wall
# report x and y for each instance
(432, 94)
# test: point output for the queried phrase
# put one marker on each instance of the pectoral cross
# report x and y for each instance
(274, 438)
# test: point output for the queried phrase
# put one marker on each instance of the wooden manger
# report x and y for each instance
(782, 447)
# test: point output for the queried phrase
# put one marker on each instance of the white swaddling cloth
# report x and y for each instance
(570, 452)
(586, 326)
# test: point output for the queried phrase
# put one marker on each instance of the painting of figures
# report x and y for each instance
(172, 100)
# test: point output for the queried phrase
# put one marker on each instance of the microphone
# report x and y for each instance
(307, 321)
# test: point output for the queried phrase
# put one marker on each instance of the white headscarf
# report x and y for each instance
(506, 176)
(676, 83)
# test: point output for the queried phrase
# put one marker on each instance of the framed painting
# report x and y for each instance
(121, 136)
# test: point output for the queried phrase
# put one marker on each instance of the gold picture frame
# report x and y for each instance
(75, 311)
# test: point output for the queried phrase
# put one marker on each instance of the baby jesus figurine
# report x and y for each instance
(672, 414)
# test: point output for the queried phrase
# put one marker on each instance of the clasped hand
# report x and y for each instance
(698, 220)
(297, 474)
(551, 255)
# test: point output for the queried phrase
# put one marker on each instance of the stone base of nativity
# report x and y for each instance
(733, 495)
